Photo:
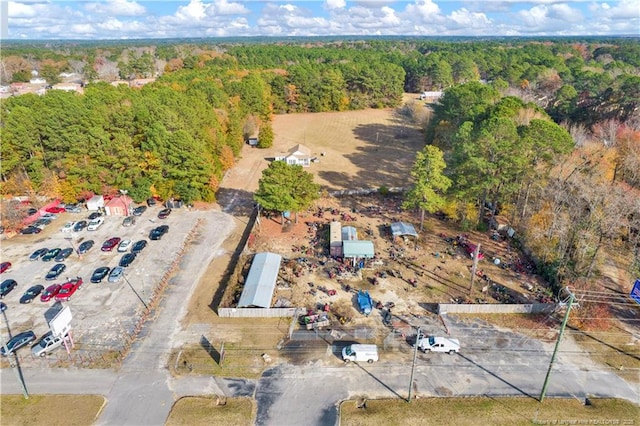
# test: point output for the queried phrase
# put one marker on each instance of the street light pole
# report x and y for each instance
(413, 366)
(14, 366)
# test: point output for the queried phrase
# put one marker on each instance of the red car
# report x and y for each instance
(4, 266)
(50, 292)
(110, 244)
(55, 210)
(69, 288)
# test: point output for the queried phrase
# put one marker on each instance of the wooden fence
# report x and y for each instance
(257, 312)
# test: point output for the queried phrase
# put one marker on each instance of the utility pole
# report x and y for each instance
(476, 253)
(413, 366)
(555, 351)
(13, 365)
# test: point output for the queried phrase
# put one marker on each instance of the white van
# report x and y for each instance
(438, 344)
(358, 352)
(95, 224)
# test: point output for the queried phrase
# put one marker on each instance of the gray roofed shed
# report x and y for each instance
(400, 228)
(261, 281)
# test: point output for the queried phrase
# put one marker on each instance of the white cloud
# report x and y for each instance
(223, 7)
(625, 9)
(466, 19)
(194, 11)
(334, 4)
(116, 8)
(426, 9)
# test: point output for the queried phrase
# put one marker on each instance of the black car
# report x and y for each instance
(139, 210)
(94, 215)
(30, 230)
(38, 253)
(99, 274)
(164, 213)
(55, 271)
(138, 246)
(51, 254)
(31, 293)
(151, 201)
(7, 286)
(85, 246)
(127, 259)
(157, 233)
(79, 226)
(31, 211)
(18, 341)
(64, 253)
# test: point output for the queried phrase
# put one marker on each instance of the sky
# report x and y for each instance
(130, 19)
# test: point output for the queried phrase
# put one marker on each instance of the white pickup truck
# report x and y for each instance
(438, 344)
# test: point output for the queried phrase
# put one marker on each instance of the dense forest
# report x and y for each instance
(545, 132)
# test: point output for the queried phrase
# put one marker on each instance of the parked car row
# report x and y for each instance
(47, 343)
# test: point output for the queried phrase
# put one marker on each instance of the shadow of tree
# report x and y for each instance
(384, 158)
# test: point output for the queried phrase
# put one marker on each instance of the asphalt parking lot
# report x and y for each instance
(103, 312)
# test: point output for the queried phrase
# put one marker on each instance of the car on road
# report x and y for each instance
(95, 215)
(127, 259)
(115, 274)
(139, 210)
(50, 217)
(64, 253)
(110, 244)
(55, 271)
(99, 274)
(68, 227)
(138, 246)
(50, 292)
(158, 232)
(36, 255)
(95, 224)
(151, 201)
(18, 341)
(30, 230)
(47, 344)
(164, 213)
(31, 211)
(4, 267)
(57, 209)
(438, 344)
(129, 221)
(68, 289)
(85, 246)
(79, 226)
(7, 286)
(51, 254)
(124, 246)
(31, 293)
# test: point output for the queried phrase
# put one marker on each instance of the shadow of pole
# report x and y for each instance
(497, 377)
(380, 381)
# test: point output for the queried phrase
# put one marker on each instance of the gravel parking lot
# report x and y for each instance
(103, 313)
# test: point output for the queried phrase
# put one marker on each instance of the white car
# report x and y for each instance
(95, 224)
(49, 216)
(124, 245)
(47, 344)
(68, 227)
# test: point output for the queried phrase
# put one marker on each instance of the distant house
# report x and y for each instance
(68, 87)
(119, 206)
(299, 155)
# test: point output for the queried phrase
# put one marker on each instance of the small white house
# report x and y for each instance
(95, 203)
(299, 154)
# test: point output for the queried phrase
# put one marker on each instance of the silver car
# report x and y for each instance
(116, 274)
(47, 344)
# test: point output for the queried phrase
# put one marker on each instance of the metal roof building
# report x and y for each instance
(401, 228)
(349, 233)
(358, 249)
(261, 281)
